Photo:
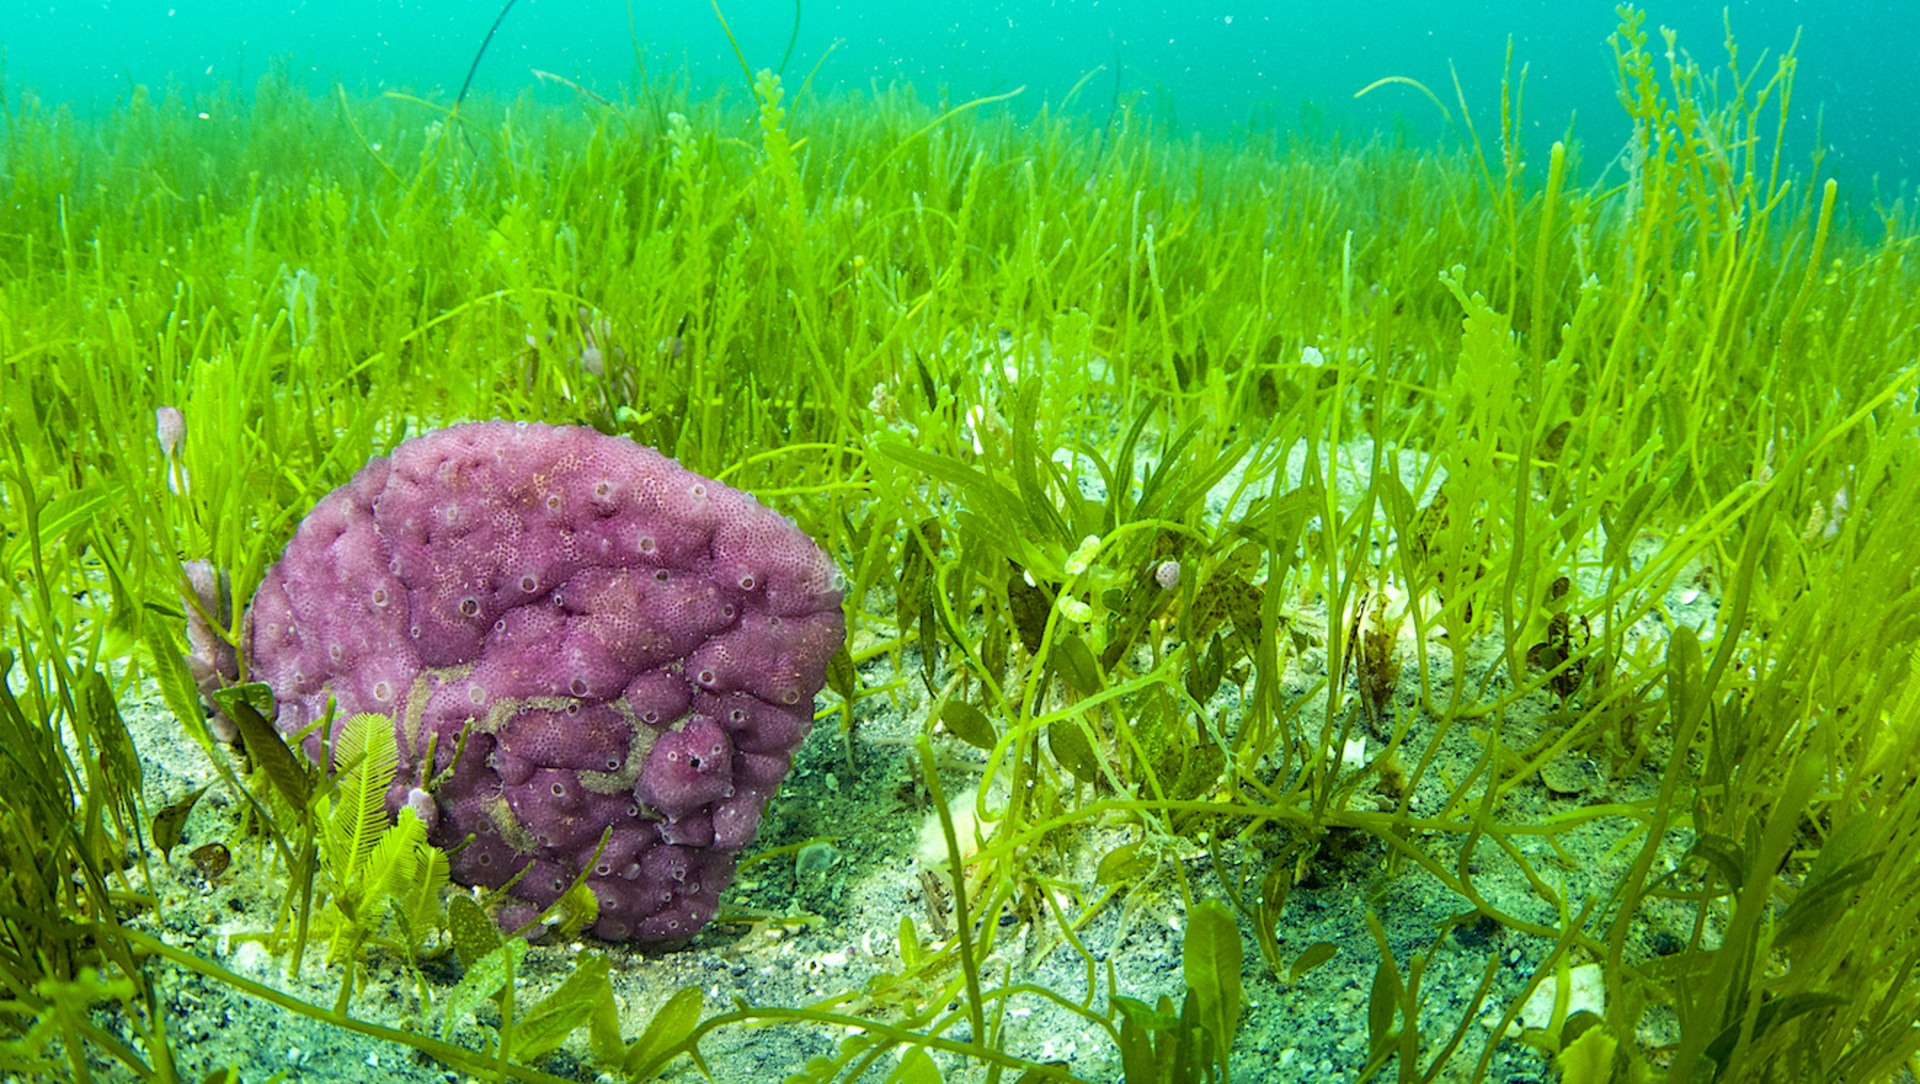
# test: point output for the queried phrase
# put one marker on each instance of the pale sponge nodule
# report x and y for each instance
(622, 643)
(969, 832)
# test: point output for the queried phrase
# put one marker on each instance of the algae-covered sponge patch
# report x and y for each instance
(606, 638)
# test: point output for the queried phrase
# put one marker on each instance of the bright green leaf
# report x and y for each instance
(666, 1033)
(916, 1067)
(1212, 961)
(1314, 956)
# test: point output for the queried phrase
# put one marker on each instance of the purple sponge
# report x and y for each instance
(624, 642)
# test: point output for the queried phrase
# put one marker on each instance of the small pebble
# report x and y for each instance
(1167, 575)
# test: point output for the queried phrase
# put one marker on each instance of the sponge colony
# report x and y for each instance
(623, 644)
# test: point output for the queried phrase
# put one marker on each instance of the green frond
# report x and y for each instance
(366, 757)
(392, 865)
(417, 908)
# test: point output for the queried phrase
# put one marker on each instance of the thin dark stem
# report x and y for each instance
(467, 84)
(791, 38)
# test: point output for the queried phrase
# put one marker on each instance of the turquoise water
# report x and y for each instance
(1211, 66)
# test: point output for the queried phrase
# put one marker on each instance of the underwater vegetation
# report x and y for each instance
(1468, 595)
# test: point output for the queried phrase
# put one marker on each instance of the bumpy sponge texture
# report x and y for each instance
(620, 642)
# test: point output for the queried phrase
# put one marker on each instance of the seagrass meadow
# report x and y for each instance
(1318, 609)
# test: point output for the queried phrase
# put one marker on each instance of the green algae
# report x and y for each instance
(1465, 471)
